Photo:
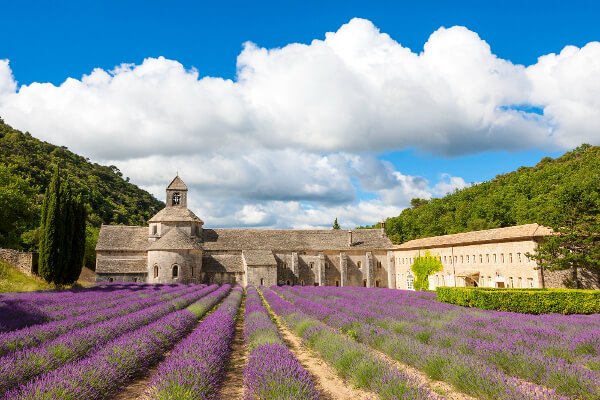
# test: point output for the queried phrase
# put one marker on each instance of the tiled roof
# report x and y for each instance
(292, 239)
(175, 239)
(175, 214)
(120, 237)
(222, 263)
(177, 184)
(106, 265)
(259, 257)
(519, 232)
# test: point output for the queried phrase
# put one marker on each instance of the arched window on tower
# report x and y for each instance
(176, 198)
(175, 271)
(155, 270)
(154, 230)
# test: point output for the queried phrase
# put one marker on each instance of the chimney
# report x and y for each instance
(349, 238)
(383, 228)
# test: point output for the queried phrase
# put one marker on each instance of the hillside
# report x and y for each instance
(26, 166)
(530, 194)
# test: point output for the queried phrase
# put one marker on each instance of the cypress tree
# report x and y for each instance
(78, 243)
(49, 259)
(68, 226)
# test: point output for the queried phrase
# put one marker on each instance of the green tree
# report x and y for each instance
(49, 264)
(335, 224)
(18, 212)
(78, 245)
(423, 267)
(575, 246)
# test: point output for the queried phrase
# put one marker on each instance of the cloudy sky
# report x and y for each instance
(289, 116)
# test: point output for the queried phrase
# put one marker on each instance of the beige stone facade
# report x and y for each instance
(491, 258)
(175, 247)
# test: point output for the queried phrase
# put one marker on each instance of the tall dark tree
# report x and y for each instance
(62, 237)
(51, 232)
(335, 224)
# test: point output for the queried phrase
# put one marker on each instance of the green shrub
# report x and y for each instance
(527, 301)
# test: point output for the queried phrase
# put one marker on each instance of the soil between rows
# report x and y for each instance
(233, 383)
(331, 386)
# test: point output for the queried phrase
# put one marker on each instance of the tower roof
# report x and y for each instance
(177, 184)
(175, 214)
(175, 239)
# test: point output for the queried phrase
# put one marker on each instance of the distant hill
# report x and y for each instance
(26, 166)
(527, 195)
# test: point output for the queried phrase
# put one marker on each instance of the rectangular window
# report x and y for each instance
(445, 260)
(487, 258)
(481, 259)
(490, 281)
(519, 256)
(520, 282)
(502, 258)
(530, 282)
(467, 259)
(511, 282)
(462, 260)
(481, 281)
(495, 258)
(510, 258)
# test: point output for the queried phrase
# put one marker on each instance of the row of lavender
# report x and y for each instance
(272, 371)
(351, 360)
(482, 353)
(195, 368)
(17, 368)
(18, 310)
(103, 311)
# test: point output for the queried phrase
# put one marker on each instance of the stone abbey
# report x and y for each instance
(176, 247)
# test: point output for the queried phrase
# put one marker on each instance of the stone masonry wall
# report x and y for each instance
(26, 262)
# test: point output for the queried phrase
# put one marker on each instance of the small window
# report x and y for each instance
(110, 279)
(519, 256)
(462, 260)
(175, 271)
(520, 280)
(530, 282)
(502, 258)
(455, 259)
(316, 284)
(364, 283)
(192, 270)
(135, 279)
(312, 265)
(262, 281)
(379, 264)
(409, 282)
(359, 265)
(176, 198)
(302, 282)
(487, 258)
(155, 271)
(376, 283)
(287, 282)
(481, 259)
(337, 283)
(495, 258)
(510, 258)
(511, 282)
(284, 264)
(154, 230)
(444, 259)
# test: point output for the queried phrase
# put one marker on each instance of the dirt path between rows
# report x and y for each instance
(331, 386)
(440, 387)
(136, 388)
(233, 383)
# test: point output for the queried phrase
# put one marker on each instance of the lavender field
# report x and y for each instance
(124, 340)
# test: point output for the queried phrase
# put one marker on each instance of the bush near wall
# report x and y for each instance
(526, 301)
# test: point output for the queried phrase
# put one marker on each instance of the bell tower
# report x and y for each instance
(177, 193)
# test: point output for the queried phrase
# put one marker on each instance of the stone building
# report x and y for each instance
(490, 258)
(175, 247)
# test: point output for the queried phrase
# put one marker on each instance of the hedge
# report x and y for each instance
(526, 301)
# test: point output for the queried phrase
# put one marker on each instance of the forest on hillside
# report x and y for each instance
(26, 167)
(549, 194)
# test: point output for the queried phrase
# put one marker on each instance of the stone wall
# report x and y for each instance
(188, 262)
(26, 262)
(122, 277)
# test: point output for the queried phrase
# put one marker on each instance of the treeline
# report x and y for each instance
(26, 168)
(551, 193)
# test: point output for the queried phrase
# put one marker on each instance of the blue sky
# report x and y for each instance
(48, 43)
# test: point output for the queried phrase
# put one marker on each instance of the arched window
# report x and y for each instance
(154, 229)
(359, 265)
(155, 270)
(262, 281)
(192, 270)
(110, 279)
(287, 282)
(175, 271)
(176, 198)
(337, 283)
(302, 282)
(312, 265)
